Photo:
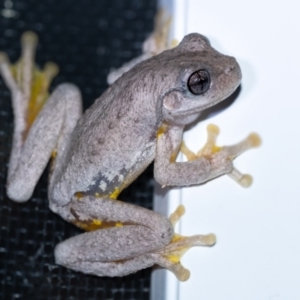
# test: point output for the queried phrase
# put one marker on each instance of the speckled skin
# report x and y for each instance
(116, 138)
(140, 118)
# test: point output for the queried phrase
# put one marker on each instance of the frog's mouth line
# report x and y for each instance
(198, 109)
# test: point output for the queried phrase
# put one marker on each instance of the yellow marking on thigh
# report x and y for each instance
(79, 195)
(95, 224)
(114, 195)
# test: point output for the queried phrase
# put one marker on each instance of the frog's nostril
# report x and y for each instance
(229, 69)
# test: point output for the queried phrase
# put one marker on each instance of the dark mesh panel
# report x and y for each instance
(85, 38)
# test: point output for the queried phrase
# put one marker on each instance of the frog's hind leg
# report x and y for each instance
(39, 120)
(134, 238)
(120, 235)
(18, 79)
(29, 90)
(47, 137)
(169, 257)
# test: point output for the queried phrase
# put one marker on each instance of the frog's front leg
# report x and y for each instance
(123, 239)
(210, 162)
(42, 124)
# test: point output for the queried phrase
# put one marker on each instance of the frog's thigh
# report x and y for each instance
(119, 268)
(108, 252)
(118, 250)
(50, 129)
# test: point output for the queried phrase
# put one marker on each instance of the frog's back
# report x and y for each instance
(111, 145)
(115, 139)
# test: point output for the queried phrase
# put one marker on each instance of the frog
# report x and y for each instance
(95, 155)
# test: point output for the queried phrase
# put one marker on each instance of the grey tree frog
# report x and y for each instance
(140, 118)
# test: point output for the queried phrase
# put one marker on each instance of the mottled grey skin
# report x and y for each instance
(108, 148)
(116, 138)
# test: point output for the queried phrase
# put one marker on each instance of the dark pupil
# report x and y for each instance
(199, 82)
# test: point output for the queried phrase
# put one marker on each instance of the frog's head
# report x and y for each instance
(200, 77)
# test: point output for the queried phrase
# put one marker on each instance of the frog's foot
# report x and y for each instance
(27, 83)
(210, 150)
(157, 42)
(169, 257)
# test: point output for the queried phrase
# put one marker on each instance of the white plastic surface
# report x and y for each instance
(257, 255)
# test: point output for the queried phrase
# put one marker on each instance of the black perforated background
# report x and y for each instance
(85, 38)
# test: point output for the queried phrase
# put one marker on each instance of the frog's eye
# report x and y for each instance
(199, 82)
